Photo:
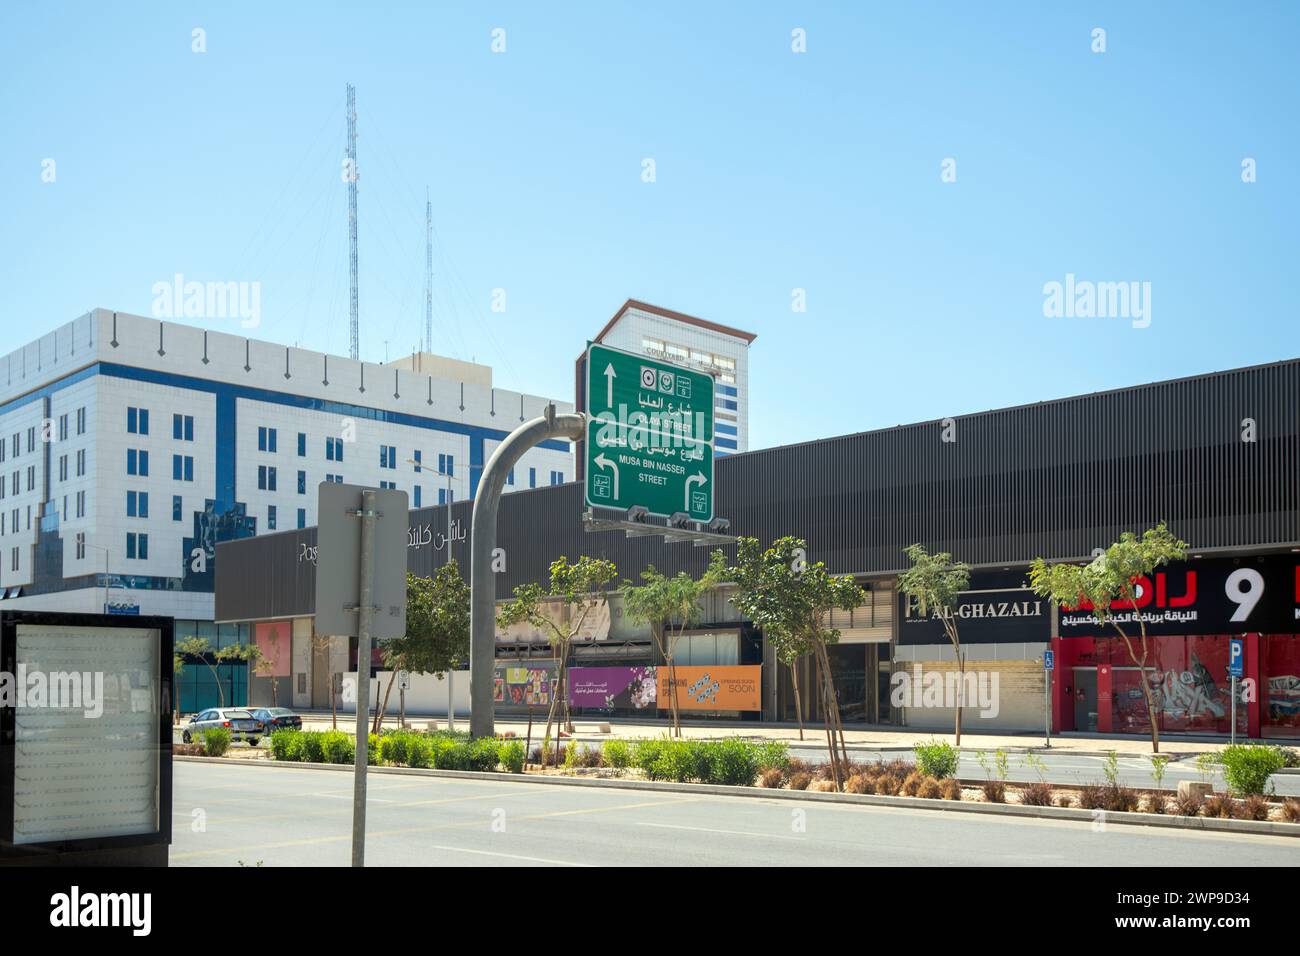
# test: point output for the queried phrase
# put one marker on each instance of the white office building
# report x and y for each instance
(131, 446)
(719, 350)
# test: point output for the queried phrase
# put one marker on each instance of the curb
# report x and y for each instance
(1213, 824)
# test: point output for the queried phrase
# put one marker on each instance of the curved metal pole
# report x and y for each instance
(483, 541)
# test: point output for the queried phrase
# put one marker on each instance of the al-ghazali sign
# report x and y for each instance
(985, 615)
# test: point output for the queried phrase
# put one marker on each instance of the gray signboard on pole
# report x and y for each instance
(338, 562)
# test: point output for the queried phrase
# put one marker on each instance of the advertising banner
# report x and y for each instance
(721, 687)
(522, 686)
(273, 640)
(632, 688)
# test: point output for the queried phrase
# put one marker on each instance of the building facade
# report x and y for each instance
(1215, 456)
(717, 350)
(132, 446)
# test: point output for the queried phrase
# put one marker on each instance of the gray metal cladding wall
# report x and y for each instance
(1054, 479)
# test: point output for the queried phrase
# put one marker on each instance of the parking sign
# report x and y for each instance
(1236, 656)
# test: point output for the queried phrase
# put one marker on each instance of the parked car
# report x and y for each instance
(241, 724)
(276, 718)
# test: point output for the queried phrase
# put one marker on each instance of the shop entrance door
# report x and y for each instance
(1085, 699)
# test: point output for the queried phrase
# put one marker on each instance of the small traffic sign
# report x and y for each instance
(403, 680)
(1236, 656)
(1049, 660)
(649, 435)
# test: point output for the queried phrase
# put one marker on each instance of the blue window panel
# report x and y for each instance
(189, 428)
(302, 517)
(442, 463)
(178, 427)
(442, 496)
(302, 444)
(130, 504)
(270, 517)
(532, 477)
(728, 404)
(727, 390)
(418, 459)
(417, 496)
(144, 462)
(144, 421)
(302, 482)
(130, 544)
(132, 465)
(724, 429)
(144, 546)
(176, 507)
(270, 439)
(510, 477)
(261, 438)
(132, 420)
(178, 470)
(451, 465)
(724, 443)
(144, 504)
(189, 468)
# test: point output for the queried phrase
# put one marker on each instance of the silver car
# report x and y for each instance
(241, 724)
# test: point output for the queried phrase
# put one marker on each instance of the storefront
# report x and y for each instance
(1191, 613)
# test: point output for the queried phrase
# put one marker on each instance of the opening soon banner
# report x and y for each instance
(699, 687)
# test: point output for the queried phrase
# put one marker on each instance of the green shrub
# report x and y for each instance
(772, 754)
(395, 748)
(680, 761)
(1247, 767)
(216, 741)
(511, 755)
(338, 747)
(451, 754)
(373, 757)
(311, 746)
(937, 759)
(731, 762)
(646, 752)
(617, 754)
(284, 742)
(484, 754)
(1290, 756)
(419, 752)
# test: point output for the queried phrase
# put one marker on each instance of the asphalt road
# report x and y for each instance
(225, 814)
(1066, 768)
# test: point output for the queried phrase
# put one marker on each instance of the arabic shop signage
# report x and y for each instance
(998, 608)
(417, 537)
(1214, 596)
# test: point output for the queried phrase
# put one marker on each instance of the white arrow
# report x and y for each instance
(606, 463)
(610, 375)
(697, 478)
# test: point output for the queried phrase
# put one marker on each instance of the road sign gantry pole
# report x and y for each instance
(365, 607)
(483, 540)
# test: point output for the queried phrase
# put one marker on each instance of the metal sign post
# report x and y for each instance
(1049, 665)
(361, 592)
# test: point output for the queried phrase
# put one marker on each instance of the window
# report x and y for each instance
(444, 497)
(510, 477)
(333, 449)
(31, 477)
(302, 517)
(137, 462)
(270, 517)
(137, 546)
(182, 468)
(137, 421)
(176, 507)
(13, 559)
(447, 465)
(387, 456)
(31, 438)
(81, 421)
(417, 496)
(337, 479)
(418, 458)
(81, 504)
(130, 504)
(17, 524)
(81, 546)
(63, 427)
(265, 439)
(557, 477)
(81, 462)
(183, 427)
(63, 468)
(266, 477)
(532, 477)
(4, 448)
(302, 444)
(302, 482)
(16, 486)
(17, 445)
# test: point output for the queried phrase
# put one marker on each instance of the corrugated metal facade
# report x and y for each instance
(1055, 479)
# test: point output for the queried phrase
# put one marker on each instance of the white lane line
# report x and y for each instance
(508, 856)
(347, 796)
(748, 833)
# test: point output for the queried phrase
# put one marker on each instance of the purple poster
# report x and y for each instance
(613, 687)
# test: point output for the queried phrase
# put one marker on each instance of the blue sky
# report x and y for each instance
(774, 171)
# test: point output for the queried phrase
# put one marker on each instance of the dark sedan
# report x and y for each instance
(277, 718)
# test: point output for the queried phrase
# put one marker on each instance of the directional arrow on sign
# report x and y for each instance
(695, 479)
(610, 375)
(606, 463)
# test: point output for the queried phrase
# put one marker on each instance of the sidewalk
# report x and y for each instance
(859, 737)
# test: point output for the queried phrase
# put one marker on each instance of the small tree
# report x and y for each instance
(259, 663)
(935, 583)
(201, 648)
(1115, 577)
(437, 629)
(663, 602)
(178, 665)
(791, 601)
(579, 588)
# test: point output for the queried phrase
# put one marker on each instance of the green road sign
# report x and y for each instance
(649, 435)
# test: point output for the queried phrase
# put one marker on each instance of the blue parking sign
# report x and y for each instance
(1049, 660)
(1236, 656)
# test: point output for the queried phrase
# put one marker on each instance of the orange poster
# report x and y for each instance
(724, 687)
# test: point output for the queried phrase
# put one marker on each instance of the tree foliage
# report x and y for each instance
(935, 583)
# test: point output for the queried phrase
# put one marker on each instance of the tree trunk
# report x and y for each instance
(1142, 675)
(672, 697)
(383, 708)
(961, 694)
(798, 703)
(274, 697)
(834, 698)
(822, 678)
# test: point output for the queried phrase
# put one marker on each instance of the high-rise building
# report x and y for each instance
(700, 344)
(131, 446)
